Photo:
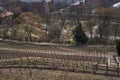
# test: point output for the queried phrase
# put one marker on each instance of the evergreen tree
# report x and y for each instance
(79, 35)
(118, 47)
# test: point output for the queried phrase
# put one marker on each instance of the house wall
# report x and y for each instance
(67, 1)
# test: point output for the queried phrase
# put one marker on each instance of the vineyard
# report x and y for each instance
(60, 58)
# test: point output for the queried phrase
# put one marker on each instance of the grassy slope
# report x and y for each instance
(51, 75)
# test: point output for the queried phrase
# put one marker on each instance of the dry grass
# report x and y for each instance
(50, 75)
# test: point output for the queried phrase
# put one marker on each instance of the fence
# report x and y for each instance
(95, 63)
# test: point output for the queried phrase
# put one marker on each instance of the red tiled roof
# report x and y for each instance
(5, 14)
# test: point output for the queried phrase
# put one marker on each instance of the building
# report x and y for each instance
(6, 14)
(102, 2)
(69, 2)
(39, 6)
(117, 5)
(111, 2)
(1, 9)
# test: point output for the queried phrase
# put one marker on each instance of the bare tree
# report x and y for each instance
(115, 29)
(104, 17)
(58, 23)
(6, 25)
(28, 22)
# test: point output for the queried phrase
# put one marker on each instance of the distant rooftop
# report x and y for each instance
(117, 5)
(35, 0)
(78, 2)
(5, 14)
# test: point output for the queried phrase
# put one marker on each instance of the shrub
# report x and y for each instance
(118, 47)
(79, 35)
